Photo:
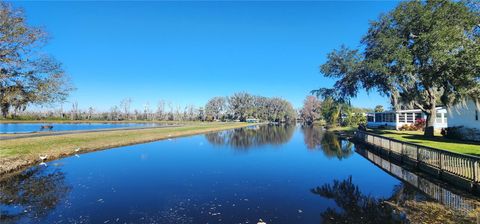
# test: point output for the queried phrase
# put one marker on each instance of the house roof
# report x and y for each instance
(403, 111)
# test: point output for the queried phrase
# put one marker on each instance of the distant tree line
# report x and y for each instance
(241, 106)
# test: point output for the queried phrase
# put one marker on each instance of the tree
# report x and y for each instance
(422, 53)
(333, 105)
(216, 107)
(356, 207)
(125, 105)
(379, 108)
(26, 75)
(312, 110)
(161, 110)
(74, 112)
(241, 105)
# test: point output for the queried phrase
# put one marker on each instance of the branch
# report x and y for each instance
(420, 106)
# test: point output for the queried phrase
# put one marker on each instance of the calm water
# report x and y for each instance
(36, 127)
(278, 174)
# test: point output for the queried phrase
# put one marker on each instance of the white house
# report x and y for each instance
(397, 119)
(466, 117)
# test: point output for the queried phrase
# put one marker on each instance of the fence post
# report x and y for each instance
(402, 151)
(389, 147)
(418, 156)
(475, 172)
(440, 165)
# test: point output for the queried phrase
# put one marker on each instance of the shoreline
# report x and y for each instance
(9, 136)
(11, 121)
(17, 155)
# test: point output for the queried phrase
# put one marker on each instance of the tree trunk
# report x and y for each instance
(5, 109)
(430, 123)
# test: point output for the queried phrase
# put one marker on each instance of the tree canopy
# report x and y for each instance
(422, 53)
(311, 111)
(243, 105)
(27, 76)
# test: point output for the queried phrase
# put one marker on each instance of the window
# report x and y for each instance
(439, 118)
(389, 117)
(418, 116)
(378, 117)
(476, 115)
(401, 117)
(410, 118)
(370, 118)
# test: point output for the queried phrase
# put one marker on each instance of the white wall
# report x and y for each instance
(464, 115)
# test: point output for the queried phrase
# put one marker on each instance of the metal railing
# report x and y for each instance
(465, 166)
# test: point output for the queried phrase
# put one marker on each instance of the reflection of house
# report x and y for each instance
(466, 117)
(251, 120)
(397, 119)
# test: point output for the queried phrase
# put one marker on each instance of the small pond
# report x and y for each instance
(280, 174)
(11, 128)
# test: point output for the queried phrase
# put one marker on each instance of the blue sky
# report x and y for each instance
(188, 52)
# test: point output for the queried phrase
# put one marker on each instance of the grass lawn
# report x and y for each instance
(14, 121)
(439, 142)
(17, 153)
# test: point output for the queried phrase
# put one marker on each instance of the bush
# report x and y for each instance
(406, 127)
(461, 133)
(417, 126)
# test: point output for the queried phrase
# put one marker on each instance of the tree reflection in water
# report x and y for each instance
(245, 138)
(316, 138)
(357, 207)
(31, 194)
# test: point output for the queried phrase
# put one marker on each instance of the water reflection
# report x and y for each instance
(357, 207)
(316, 138)
(32, 194)
(436, 191)
(197, 183)
(245, 138)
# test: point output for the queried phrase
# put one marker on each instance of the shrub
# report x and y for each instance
(419, 124)
(461, 133)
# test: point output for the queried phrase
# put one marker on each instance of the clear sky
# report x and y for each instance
(188, 52)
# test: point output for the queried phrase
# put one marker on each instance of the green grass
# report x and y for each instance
(345, 129)
(348, 130)
(16, 153)
(94, 121)
(439, 142)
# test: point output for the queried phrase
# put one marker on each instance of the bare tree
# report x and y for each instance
(160, 114)
(312, 110)
(74, 111)
(114, 113)
(147, 111)
(125, 105)
(91, 111)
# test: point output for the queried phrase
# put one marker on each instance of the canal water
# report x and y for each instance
(11, 128)
(280, 174)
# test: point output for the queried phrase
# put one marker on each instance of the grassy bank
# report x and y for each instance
(439, 142)
(19, 153)
(347, 131)
(14, 121)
